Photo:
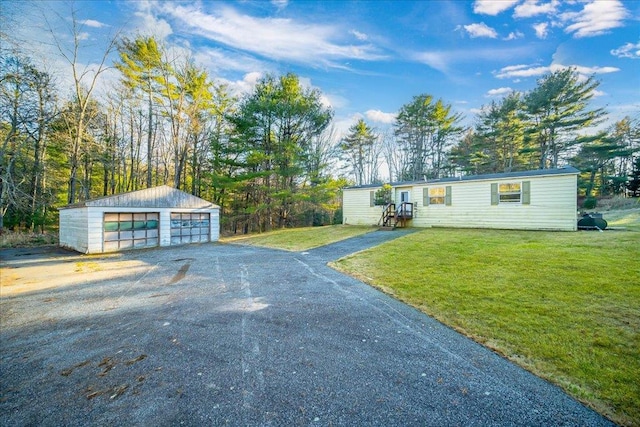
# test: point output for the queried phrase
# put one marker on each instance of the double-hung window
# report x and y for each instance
(511, 192)
(436, 196)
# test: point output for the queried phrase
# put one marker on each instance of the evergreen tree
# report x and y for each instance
(141, 64)
(276, 125)
(357, 146)
(557, 109)
(424, 130)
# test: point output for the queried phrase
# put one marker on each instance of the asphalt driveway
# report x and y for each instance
(221, 334)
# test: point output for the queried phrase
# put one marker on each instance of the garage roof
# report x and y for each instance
(156, 197)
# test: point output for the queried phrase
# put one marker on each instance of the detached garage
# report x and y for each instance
(158, 216)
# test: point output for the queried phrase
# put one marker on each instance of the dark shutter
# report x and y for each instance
(447, 196)
(526, 192)
(494, 193)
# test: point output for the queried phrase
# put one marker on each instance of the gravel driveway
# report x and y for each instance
(217, 334)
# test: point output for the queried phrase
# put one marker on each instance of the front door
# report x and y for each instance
(404, 196)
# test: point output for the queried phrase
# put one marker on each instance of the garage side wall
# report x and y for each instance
(73, 229)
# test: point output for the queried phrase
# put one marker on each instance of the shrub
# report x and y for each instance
(590, 203)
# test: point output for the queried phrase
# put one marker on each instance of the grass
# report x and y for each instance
(566, 306)
(628, 219)
(301, 239)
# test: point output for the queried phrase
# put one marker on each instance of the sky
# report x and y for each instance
(367, 58)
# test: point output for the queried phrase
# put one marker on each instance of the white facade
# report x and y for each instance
(89, 227)
(533, 200)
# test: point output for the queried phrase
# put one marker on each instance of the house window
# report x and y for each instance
(436, 196)
(511, 192)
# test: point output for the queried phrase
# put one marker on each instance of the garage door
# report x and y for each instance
(130, 230)
(189, 228)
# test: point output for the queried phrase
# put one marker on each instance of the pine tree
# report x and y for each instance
(557, 109)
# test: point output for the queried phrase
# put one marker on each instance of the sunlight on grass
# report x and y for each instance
(564, 305)
(628, 219)
(300, 239)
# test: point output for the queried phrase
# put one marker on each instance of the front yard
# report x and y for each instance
(565, 306)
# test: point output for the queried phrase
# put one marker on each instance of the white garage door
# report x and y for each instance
(130, 230)
(189, 228)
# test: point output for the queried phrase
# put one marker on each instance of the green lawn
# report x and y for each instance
(564, 305)
(301, 239)
(628, 219)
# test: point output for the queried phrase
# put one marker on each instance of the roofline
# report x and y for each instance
(567, 170)
(83, 204)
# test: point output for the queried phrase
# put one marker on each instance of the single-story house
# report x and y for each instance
(543, 199)
(158, 216)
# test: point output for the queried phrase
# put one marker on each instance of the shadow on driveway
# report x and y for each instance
(217, 334)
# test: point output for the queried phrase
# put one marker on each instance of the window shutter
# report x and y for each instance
(425, 196)
(372, 197)
(526, 192)
(494, 193)
(447, 195)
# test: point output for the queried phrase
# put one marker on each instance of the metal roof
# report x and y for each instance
(156, 197)
(567, 170)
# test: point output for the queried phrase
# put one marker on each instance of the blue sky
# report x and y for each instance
(368, 58)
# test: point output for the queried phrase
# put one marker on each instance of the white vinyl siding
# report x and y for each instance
(73, 229)
(358, 209)
(548, 202)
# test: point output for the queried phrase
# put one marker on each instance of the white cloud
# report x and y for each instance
(436, 60)
(628, 50)
(480, 30)
(360, 36)
(380, 116)
(541, 29)
(280, 4)
(150, 25)
(492, 7)
(597, 93)
(514, 35)
(589, 70)
(244, 86)
(499, 92)
(270, 37)
(442, 60)
(596, 18)
(534, 71)
(219, 61)
(92, 23)
(333, 100)
(531, 8)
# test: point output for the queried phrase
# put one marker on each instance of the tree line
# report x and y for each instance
(270, 158)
